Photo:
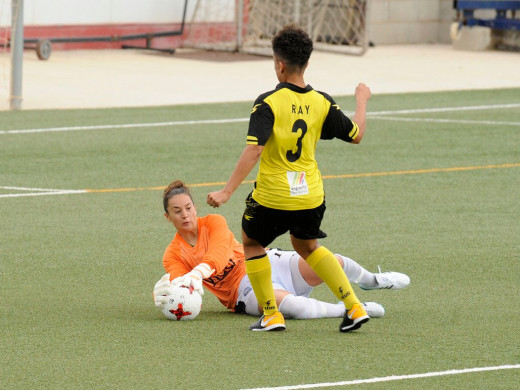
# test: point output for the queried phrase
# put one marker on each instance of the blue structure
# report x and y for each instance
(466, 9)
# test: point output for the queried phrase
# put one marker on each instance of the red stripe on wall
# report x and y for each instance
(115, 31)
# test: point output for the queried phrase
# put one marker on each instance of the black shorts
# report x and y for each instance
(265, 224)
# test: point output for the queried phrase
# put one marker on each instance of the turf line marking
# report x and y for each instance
(438, 120)
(131, 189)
(420, 171)
(44, 191)
(125, 126)
(392, 378)
(349, 175)
(30, 189)
(241, 120)
(445, 109)
(39, 192)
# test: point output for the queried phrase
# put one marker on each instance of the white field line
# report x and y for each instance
(439, 120)
(125, 126)
(446, 109)
(36, 192)
(391, 378)
(241, 120)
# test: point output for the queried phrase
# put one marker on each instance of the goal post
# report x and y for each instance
(248, 25)
(11, 53)
(17, 43)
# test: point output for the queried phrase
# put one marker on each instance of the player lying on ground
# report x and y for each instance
(204, 252)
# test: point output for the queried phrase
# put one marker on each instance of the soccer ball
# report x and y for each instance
(183, 304)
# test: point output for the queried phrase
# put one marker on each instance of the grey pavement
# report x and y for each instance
(126, 78)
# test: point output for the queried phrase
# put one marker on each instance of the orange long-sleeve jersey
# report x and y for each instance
(216, 246)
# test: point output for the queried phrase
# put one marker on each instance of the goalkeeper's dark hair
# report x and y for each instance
(176, 187)
(293, 46)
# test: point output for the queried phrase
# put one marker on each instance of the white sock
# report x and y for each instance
(301, 308)
(357, 274)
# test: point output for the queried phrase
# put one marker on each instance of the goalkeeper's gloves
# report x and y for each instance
(161, 290)
(194, 277)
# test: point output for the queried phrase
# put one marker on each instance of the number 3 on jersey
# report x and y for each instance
(298, 125)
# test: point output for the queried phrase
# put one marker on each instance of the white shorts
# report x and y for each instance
(281, 275)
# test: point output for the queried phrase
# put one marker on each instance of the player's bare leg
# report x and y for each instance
(357, 274)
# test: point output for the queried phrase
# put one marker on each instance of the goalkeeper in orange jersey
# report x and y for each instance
(284, 128)
(204, 252)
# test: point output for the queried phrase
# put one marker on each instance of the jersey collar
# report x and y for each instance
(294, 88)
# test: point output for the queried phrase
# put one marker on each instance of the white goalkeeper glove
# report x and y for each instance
(161, 290)
(194, 277)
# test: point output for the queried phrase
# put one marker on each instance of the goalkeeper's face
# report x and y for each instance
(182, 213)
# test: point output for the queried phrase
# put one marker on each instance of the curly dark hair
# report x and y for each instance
(293, 46)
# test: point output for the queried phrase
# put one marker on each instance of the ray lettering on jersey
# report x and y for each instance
(299, 109)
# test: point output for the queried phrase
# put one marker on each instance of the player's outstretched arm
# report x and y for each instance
(245, 164)
(362, 95)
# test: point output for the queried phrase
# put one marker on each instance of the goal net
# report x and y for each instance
(248, 25)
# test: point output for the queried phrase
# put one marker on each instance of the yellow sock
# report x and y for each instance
(259, 272)
(326, 266)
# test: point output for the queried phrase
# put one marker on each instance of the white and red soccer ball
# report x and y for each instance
(183, 304)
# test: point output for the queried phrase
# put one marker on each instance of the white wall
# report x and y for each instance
(5, 12)
(71, 12)
(410, 21)
(390, 21)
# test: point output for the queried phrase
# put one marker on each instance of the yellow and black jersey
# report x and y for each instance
(288, 122)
